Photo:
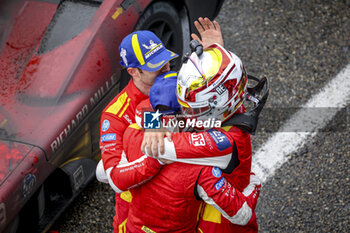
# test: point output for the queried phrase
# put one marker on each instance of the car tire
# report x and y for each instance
(171, 25)
(13, 226)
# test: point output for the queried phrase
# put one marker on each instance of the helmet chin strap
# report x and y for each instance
(248, 121)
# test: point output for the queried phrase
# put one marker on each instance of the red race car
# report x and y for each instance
(59, 67)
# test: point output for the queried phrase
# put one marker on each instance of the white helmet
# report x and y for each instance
(212, 84)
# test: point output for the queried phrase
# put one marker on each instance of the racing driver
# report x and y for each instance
(145, 57)
(214, 141)
(168, 201)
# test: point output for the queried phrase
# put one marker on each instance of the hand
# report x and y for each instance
(152, 140)
(252, 191)
(166, 161)
(100, 173)
(209, 31)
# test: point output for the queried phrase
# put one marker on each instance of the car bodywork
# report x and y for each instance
(59, 67)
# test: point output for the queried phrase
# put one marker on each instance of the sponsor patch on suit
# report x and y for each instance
(220, 139)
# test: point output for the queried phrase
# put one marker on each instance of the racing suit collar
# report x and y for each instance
(134, 91)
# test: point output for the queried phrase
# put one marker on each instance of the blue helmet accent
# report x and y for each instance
(163, 92)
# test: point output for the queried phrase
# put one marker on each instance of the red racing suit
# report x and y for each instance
(115, 118)
(171, 200)
(123, 175)
(211, 220)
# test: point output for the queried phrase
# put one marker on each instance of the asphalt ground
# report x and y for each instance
(300, 46)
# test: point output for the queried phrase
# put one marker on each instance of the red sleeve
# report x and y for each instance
(124, 163)
(240, 176)
(213, 147)
(111, 139)
(132, 174)
(210, 143)
(237, 207)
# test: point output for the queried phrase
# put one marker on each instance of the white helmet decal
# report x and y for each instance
(123, 56)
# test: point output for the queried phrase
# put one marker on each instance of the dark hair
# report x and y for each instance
(161, 107)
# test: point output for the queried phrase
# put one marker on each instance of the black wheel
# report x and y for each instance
(170, 25)
(13, 226)
(32, 212)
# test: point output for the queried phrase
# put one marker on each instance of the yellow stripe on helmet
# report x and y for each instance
(137, 49)
(216, 57)
(183, 103)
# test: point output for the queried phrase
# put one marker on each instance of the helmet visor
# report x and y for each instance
(195, 112)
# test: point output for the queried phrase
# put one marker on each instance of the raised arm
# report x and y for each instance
(210, 32)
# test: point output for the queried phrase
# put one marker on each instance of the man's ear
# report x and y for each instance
(134, 72)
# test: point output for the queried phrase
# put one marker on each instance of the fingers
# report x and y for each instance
(217, 26)
(146, 145)
(143, 144)
(195, 37)
(154, 147)
(160, 143)
(169, 136)
(203, 24)
(207, 24)
(199, 26)
(153, 143)
(148, 148)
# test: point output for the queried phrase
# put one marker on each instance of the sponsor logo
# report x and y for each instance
(153, 51)
(151, 120)
(208, 141)
(108, 137)
(28, 184)
(105, 125)
(220, 183)
(228, 189)
(220, 139)
(151, 45)
(78, 177)
(220, 89)
(216, 172)
(233, 192)
(126, 116)
(123, 56)
(198, 139)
